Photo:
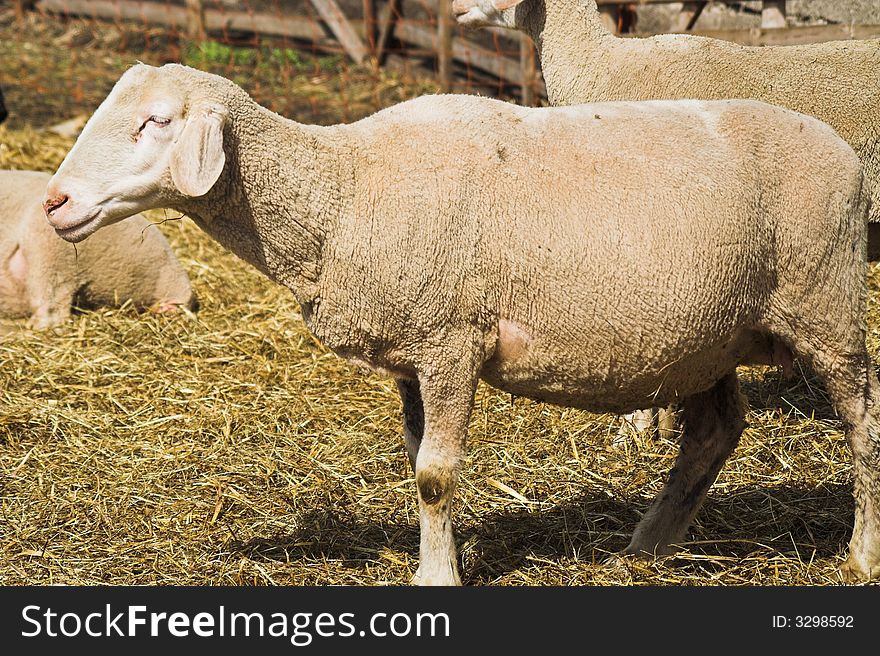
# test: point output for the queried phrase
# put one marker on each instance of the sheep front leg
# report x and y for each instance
(47, 316)
(51, 302)
(447, 402)
(413, 417)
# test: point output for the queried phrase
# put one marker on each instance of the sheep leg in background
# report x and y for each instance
(638, 422)
(712, 424)
(413, 417)
(873, 242)
(448, 399)
(667, 423)
(641, 422)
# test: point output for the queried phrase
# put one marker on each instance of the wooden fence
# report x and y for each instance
(365, 34)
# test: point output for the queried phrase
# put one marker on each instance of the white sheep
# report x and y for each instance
(837, 82)
(42, 277)
(453, 238)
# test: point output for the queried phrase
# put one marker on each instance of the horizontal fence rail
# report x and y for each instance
(368, 32)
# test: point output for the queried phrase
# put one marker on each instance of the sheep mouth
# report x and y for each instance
(461, 8)
(80, 230)
(471, 17)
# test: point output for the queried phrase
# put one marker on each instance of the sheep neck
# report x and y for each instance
(279, 194)
(551, 24)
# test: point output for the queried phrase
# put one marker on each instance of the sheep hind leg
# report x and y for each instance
(413, 417)
(855, 392)
(712, 424)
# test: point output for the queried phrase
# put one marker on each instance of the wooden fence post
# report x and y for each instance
(529, 71)
(444, 45)
(387, 21)
(21, 6)
(690, 13)
(370, 26)
(342, 29)
(773, 14)
(195, 20)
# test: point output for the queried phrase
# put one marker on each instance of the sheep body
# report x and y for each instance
(42, 277)
(582, 62)
(546, 271)
(451, 238)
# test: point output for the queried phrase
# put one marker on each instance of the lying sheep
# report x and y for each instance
(836, 82)
(42, 277)
(453, 238)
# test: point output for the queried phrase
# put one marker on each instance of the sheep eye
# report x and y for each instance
(158, 120)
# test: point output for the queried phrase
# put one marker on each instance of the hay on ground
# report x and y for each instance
(231, 448)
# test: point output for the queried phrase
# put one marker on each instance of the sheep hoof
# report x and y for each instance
(164, 308)
(651, 549)
(853, 572)
(40, 323)
(437, 579)
(618, 562)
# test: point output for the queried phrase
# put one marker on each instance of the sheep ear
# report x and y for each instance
(197, 157)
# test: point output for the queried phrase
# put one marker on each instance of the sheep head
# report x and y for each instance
(155, 140)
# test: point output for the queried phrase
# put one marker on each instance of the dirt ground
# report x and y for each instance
(230, 448)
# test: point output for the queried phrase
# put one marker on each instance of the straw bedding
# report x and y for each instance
(231, 448)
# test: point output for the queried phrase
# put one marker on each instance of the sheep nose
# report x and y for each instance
(52, 203)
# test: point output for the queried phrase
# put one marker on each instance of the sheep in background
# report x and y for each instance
(453, 238)
(837, 82)
(42, 277)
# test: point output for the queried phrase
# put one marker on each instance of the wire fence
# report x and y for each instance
(316, 60)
